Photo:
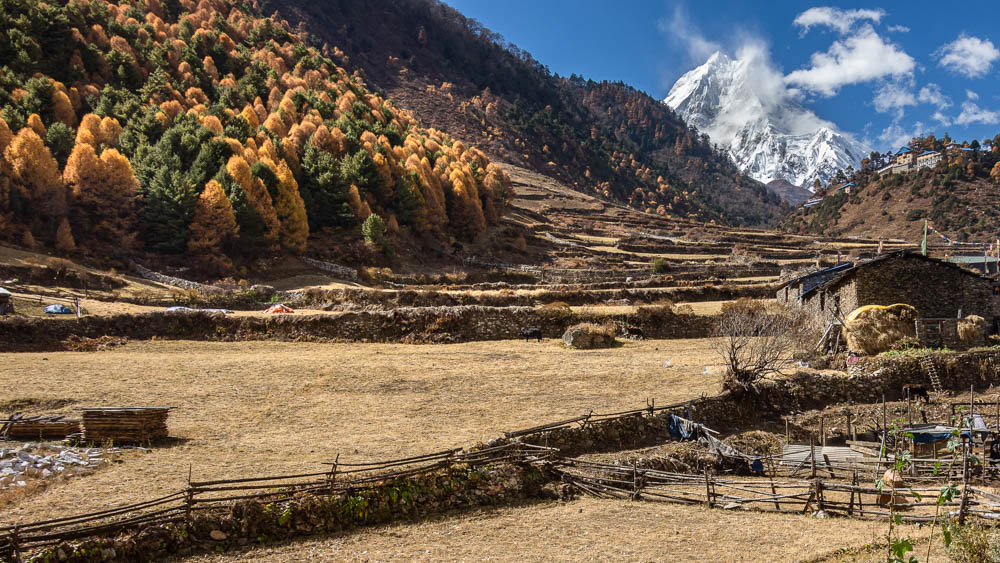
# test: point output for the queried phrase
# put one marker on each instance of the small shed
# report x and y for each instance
(6, 305)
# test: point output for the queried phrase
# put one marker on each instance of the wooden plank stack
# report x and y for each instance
(125, 424)
(20, 427)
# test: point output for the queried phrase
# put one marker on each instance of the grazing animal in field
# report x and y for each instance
(917, 391)
(532, 332)
(633, 332)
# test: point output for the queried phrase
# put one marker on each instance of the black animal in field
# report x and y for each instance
(915, 390)
(633, 332)
(532, 332)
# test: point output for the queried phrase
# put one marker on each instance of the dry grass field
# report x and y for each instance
(257, 408)
(590, 529)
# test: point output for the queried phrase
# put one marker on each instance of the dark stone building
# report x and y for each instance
(937, 289)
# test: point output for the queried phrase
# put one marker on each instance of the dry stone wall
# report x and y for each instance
(413, 325)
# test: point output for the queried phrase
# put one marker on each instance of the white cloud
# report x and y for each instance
(969, 56)
(894, 95)
(896, 136)
(898, 29)
(931, 94)
(941, 118)
(971, 95)
(681, 31)
(972, 113)
(860, 57)
(835, 18)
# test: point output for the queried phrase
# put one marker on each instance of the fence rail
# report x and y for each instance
(208, 495)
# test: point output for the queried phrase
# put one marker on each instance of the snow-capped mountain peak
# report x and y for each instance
(742, 104)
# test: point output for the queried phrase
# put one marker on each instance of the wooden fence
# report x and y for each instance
(214, 495)
(912, 504)
(833, 486)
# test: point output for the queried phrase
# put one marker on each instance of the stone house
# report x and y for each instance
(6, 306)
(937, 289)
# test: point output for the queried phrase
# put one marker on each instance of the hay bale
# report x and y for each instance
(587, 336)
(873, 329)
(971, 330)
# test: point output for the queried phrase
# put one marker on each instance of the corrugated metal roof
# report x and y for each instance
(4, 291)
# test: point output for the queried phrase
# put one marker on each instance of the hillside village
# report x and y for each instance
(303, 281)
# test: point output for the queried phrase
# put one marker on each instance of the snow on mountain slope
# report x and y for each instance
(744, 106)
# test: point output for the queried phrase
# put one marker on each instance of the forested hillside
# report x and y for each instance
(600, 137)
(960, 196)
(205, 129)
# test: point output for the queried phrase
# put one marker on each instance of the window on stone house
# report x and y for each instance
(822, 301)
(836, 305)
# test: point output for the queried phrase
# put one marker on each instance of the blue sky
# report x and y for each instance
(882, 72)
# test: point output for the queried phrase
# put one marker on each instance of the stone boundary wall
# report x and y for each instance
(331, 299)
(148, 274)
(336, 269)
(411, 325)
(868, 381)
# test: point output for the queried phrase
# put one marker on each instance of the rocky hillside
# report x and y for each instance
(604, 138)
(959, 197)
(206, 131)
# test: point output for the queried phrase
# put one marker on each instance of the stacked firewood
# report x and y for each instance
(20, 427)
(125, 424)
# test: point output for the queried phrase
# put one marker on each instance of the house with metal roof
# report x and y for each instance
(936, 288)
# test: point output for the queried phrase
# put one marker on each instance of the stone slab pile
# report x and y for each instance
(34, 461)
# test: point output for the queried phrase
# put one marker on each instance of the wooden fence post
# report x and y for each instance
(15, 548)
(188, 498)
(812, 454)
(854, 483)
(333, 473)
(822, 431)
(708, 489)
(635, 480)
(819, 493)
(964, 505)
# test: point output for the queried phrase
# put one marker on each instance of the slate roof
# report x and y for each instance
(833, 276)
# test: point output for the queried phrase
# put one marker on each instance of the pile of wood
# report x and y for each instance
(125, 424)
(20, 427)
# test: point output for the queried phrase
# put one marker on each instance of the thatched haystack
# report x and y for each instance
(971, 330)
(873, 329)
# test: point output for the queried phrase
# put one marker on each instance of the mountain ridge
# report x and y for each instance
(599, 137)
(743, 107)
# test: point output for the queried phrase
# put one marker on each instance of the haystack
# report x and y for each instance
(972, 330)
(873, 329)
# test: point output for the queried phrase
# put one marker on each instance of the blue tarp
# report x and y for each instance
(58, 310)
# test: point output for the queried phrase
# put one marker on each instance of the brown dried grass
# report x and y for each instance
(876, 330)
(264, 408)
(588, 530)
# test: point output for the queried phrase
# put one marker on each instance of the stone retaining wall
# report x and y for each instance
(412, 325)
(335, 269)
(148, 274)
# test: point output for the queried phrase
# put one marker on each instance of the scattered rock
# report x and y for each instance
(218, 535)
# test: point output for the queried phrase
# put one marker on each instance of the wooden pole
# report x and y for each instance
(963, 506)
(854, 483)
(788, 440)
(849, 433)
(708, 489)
(777, 505)
(812, 454)
(909, 404)
(822, 431)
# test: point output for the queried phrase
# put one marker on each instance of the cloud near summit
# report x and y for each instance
(862, 56)
(835, 18)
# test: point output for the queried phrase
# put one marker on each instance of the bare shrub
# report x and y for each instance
(756, 338)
